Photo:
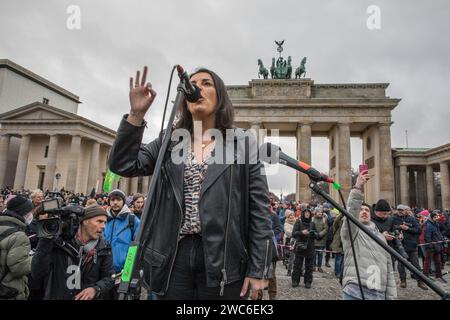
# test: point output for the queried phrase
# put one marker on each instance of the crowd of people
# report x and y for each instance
(310, 231)
(308, 237)
(83, 261)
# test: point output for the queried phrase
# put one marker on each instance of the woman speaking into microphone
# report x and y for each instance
(210, 236)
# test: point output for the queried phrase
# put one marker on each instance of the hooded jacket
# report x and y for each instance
(374, 263)
(119, 234)
(15, 259)
(297, 233)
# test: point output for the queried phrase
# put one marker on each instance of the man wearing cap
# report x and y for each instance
(410, 228)
(15, 261)
(80, 268)
(121, 228)
(433, 245)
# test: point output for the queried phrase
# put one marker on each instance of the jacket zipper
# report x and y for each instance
(179, 228)
(224, 271)
(266, 268)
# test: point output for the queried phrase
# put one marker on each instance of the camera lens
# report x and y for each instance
(51, 227)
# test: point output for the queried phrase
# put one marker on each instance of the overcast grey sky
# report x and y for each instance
(411, 51)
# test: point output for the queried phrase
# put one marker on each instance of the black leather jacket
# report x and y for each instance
(232, 251)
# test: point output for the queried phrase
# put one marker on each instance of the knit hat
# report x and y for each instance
(402, 207)
(326, 205)
(118, 193)
(382, 205)
(20, 205)
(93, 211)
(424, 213)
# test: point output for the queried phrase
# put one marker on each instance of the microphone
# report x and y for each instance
(312, 173)
(191, 92)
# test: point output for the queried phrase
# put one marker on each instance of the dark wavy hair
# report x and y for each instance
(224, 108)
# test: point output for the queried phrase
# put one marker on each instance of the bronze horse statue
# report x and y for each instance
(301, 70)
(272, 69)
(262, 70)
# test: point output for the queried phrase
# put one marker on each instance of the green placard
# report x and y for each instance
(129, 263)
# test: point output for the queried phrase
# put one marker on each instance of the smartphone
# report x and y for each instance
(363, 167)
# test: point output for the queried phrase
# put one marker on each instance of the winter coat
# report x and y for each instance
(236, 240)
(15, 259)
(410, 236)
(297, 233)
(432, 233)
(288, 227)
(336, 245)
(119, 234)
(54, 263)
(321, 225)
(372, 259)
(385, 225)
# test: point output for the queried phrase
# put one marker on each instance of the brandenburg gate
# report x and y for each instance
(303, 109)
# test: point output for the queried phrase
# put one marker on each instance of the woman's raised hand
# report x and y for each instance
(141, 97)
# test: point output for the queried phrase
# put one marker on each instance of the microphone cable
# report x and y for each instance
(167, 97)
(353, 247)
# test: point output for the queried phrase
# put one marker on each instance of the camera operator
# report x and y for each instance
(76, 267)
(374, 263)
(410, 228)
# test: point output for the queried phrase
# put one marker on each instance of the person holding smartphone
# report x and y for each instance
(374, 263)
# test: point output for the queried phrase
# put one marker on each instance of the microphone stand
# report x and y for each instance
(316, 188)
(130, 283)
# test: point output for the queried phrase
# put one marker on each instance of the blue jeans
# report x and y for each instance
(338, 264)
(348, 297)
(318, 257)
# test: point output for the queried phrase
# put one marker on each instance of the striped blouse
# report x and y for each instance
(194, 174)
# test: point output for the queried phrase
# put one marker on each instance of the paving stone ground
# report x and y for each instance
(326, 287)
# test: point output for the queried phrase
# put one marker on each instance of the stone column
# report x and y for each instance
(256, 126)
(125, 185)
(386, 167)
(72, 170)
(421, 185)
(303, 154)
(412, 188)
(4, 151)
(344, 159)
(404, 190)
(134, 185)
(445, 185)
(94, 165)
(22, 162)
(430, 188)
(50, 168)
(145, 185)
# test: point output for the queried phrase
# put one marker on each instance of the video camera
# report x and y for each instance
(63, 220)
